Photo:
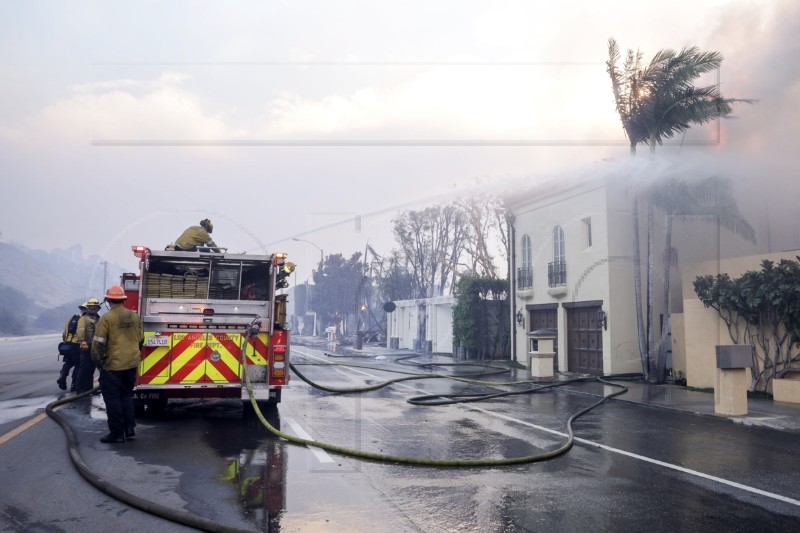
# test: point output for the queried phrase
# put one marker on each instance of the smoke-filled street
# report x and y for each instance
(215, 461)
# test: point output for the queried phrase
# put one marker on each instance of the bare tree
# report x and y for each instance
(487, 224)
(432, 241)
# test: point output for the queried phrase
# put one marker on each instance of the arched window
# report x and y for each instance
(558, 244)
(525, 271)
(557, 270)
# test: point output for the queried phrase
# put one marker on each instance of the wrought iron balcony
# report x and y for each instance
(556, 273)
(524, 278)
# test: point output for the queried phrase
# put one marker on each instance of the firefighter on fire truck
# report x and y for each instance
(196, 236)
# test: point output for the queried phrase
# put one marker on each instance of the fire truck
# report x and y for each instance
(200, 311)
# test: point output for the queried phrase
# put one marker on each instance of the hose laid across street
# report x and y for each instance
(205, 524)
(469, 463)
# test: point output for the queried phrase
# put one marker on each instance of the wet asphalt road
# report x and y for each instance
(632, 468)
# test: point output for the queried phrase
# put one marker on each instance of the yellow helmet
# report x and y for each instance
(92, 302)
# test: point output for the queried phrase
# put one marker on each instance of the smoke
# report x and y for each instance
(761, 48)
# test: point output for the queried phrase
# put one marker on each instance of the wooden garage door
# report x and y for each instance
(545, 318)
(584, 338)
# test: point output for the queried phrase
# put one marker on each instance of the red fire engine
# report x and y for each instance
(200, 310)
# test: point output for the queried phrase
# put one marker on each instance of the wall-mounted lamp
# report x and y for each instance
(520, 318)
(602, 318)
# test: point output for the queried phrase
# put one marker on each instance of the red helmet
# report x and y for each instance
(115, 292)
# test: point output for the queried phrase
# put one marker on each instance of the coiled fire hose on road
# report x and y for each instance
(425, 400)
(205, 524)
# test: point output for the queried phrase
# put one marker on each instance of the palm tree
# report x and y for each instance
(707, 200)
(655, 101)
(628, 92)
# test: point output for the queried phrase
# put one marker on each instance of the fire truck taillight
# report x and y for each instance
(279, 354)
(139, 251)
(279, 361)
(208, 311)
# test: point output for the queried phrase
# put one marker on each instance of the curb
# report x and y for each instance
(745, 420)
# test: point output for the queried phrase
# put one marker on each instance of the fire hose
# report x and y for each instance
(205, 524)
(105, 486)
(438, 399)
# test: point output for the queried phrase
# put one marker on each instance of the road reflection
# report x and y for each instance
(255, 465)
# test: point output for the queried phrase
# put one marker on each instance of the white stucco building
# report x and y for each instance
(424, 325)
(572, 270)
(572, 260)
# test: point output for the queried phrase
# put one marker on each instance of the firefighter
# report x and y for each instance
(85, 333)
(70, 349)
(195, 236)
(116, 352)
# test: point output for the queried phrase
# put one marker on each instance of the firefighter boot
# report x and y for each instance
(130, 433)
(62, 382)
(112, 438)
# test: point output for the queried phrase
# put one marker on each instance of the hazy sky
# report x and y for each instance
(124, 122)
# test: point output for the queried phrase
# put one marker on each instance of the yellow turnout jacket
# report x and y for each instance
(118, 337)
(85, 331)
(194, 236)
